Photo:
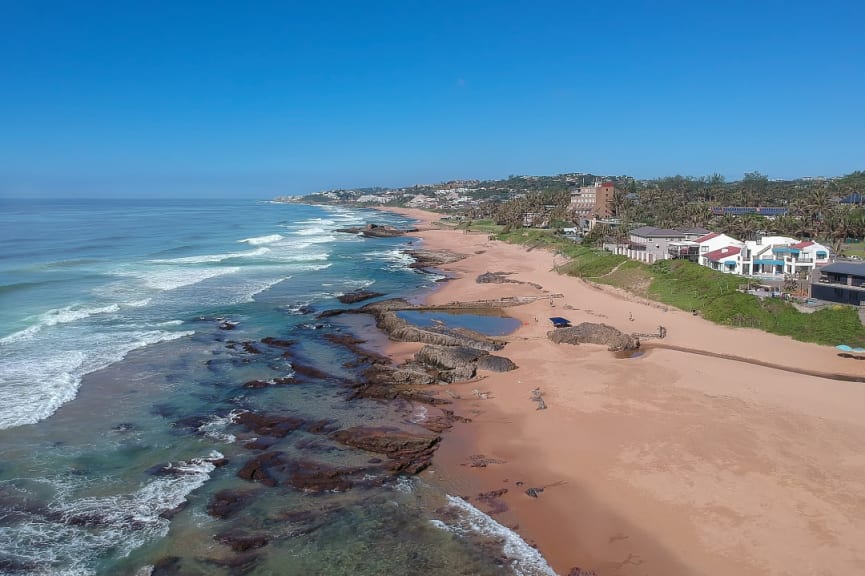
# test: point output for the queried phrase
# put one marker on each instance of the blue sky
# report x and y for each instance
(258, 99)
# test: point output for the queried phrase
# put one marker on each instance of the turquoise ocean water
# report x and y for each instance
(120, 385)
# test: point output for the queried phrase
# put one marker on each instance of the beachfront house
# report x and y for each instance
(683, 250)
(766, 255)
(648, 243)
(727, 259)
(842, 282)
(715, 241)
(692, 234)
(804, 257)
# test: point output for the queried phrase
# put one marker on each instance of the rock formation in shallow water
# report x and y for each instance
(358, 296)
(377, 231)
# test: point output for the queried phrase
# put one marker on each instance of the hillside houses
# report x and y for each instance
(774, 256)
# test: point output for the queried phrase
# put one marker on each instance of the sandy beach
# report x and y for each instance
(666, 463)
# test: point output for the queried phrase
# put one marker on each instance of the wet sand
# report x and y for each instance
(667, 463)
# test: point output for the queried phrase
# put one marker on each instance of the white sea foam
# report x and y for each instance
(317, 221)
(166, 278)
(314, 231)
(215, 427)
(294, 257)
(213, 258)
(253, 287)
(314, 267)
(33, 384)
(58, 316)
(258, 240)
(77, 531)
(522, 558)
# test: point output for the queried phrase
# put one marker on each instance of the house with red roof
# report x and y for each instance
(726, 259)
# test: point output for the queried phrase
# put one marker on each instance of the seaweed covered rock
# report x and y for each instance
(592, 333)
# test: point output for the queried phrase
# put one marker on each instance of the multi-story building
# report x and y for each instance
(592, 201)
(842, 282)
(649, 244)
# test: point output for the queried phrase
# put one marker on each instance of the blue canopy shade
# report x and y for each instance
(560, 322)
(769, 262)
(844, 348)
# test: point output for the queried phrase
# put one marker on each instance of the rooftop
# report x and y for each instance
(722, 253)
(652, 232)
(845, 268)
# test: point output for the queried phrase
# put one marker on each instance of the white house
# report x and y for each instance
(715, 241)
(725, 259)
(804, 257)
(765, 256)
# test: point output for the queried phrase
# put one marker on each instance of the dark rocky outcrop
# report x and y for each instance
(377, 231)
(409, 453)
(248, 347)
(591, 333)
(433, 258)
(277, 343)
(460, 363)
(225, 503)
(448, 357)
(502, 278)
(274, 468)
(241, 542)
(269, 424)
(310, 476)
(358, 296)
(309, 371)
(257, 468)
(353, 344)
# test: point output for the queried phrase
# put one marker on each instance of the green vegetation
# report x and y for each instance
(688, 286)
(483, 225)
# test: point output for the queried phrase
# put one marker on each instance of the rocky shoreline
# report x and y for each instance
(445, 356)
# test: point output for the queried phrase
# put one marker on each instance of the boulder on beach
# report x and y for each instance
(494, 363)
(433, 258)
(592, 333)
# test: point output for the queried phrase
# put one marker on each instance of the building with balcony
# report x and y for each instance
(648, 244)
(842, 282)
(592, 201)
(684, 250)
